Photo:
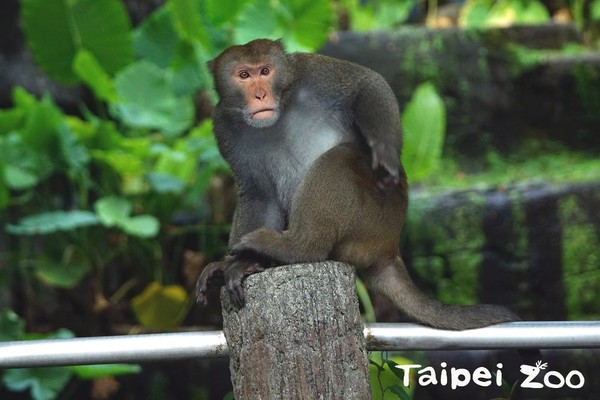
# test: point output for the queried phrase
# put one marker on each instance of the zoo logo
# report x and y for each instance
(552, 379)
(461, 377)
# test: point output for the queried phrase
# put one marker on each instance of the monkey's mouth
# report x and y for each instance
(265, 113)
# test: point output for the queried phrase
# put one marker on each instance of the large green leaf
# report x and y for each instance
(147, 100)
(303, 24)
(424, 121)
(187, 21)
(145, 226)
(61, 274)
(11, 119)
(18, 178)
(258, 19)
(155, 38)
(220, 12)
(308, 23)
(89, 70)
(53, 221)
(114, 211)
(42, 124)
(57, 29)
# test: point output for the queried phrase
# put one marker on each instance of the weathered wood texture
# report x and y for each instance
(299, 336)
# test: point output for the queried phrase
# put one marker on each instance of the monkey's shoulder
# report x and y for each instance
(330, 73)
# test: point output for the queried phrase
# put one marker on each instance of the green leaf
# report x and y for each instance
(89, 71)
(24, 167)
(74, 155)
(155, 38)
(11, 119)
(43, 383)
(189, 70)
(160, 306)
(391, 13)
(307, 24)
(53, 221)
(257, 19)
(41, 128)
(400, 392)
(474, 13)
(145, 226)
(220, 12)
(165, 183)
(61, 274)
(304, 25)
(57, 29)
(88, 372)
(113, 210)
(4, 192)
(424, 121)
(12, 326)
(18, 178)
(61, 333)
(187, 21)
(595, 10)
(23, 99)
(147, 100)
(179, 164)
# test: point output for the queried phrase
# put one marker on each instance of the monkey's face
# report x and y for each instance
(256, 82)
(251, 78)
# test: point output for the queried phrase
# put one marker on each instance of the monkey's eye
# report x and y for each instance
(244, 74)
(265, 71)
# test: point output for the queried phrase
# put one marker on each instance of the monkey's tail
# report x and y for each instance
(391, 279)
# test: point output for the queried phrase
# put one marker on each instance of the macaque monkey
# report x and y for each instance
(314, 146)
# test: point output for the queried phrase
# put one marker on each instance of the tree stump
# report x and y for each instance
(299, 336)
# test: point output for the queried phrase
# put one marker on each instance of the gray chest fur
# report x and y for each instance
(295, 142)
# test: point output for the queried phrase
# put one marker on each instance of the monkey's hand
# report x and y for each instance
(235, 275)
(213, 275)
(386, 164)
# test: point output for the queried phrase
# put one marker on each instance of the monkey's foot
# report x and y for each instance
(235, 275)
(213, 275)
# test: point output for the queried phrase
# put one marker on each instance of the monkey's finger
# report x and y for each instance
(236, 292)
(212, 276)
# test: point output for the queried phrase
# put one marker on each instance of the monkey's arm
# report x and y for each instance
(378, 118)
(253, 211)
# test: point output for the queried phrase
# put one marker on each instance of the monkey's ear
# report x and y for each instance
(211, 66)
(279, 43)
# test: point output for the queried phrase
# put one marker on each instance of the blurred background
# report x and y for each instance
(113, 195)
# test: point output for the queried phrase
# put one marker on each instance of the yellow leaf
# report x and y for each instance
(161, 307)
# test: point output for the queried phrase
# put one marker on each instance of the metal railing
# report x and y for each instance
(401, 336)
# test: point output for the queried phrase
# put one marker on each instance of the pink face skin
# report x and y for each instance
(256, 82)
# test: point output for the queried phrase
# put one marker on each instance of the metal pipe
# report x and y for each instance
(511, 335)
(112, 349)
(173, 346)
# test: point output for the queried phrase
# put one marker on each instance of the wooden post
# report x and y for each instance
(299, 336)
